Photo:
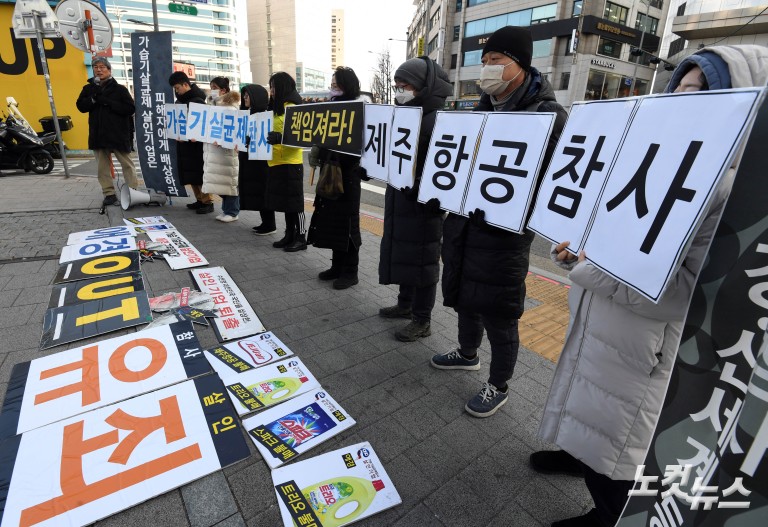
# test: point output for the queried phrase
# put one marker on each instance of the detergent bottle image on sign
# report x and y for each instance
(275, 390)
(341, 500)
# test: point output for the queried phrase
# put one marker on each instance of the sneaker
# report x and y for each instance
(226, 218)
(556, 462)
(109, 200)
(590, 519)
(395, 312)
(485, 403)
(413, 331)
(194, 206)
(261, 230)
(454, 360)
(205, 208)
(220, 216)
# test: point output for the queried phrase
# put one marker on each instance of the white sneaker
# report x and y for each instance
(227, 219)
(220, 217)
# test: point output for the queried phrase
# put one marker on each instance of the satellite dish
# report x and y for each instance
(75, 17)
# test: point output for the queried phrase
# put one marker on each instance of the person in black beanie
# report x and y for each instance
(484, 267)
(410, 247)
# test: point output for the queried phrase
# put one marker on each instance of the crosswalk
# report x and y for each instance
(58, 165)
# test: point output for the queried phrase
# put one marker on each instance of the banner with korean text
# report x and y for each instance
(259, 126)
(181, 254)
(247, 354)
(98, 266)
(706, 465)
(152, 64)
(333, 125)
(88, 467)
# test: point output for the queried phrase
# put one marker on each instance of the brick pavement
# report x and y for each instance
(449, 468)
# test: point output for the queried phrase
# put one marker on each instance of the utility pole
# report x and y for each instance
(642, 37)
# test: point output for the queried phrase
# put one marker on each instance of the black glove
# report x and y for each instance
(433, 205)
(412, 194)
(477, 218)
(363, 173)
(274, 138)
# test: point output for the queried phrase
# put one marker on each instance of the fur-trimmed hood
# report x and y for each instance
(231, 98)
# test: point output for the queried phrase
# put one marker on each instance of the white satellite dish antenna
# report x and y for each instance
(84, 25)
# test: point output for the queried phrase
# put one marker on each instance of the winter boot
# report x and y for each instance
(347, 279)
(286, 240)
(331, 274)
(299, 243)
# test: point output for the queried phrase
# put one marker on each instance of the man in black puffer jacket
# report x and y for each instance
(484, 267)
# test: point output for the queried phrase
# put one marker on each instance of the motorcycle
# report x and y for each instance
(20, 149)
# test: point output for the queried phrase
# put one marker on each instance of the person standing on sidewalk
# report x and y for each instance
(253, 172)
(336, 222)
(220, 165)
(110, 110)
(189, 154)
(285, 177)
(410, 247)
(484, 267)
(620, 348)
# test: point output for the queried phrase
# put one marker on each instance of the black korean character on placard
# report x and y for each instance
(443, 160)
(573, 195)
(675, 192)
(403, 141)
(377, 137)
(502, 168)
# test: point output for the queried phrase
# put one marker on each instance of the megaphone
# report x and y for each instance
(130, 197)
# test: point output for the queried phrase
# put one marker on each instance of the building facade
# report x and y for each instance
(583, 47)
(337, 38)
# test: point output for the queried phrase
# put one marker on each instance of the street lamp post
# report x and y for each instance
(642, 37)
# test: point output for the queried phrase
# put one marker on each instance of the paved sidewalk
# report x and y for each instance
(449, 468)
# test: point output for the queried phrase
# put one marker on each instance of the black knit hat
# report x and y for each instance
(413, 72)
(514, 42)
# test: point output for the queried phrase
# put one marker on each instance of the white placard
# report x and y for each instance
(404, 146)
(662, 180)
(85, 468)
(576, 175)
(376, 139)
(145, 220)
(99, 234)
(224, 134)
(155, 227)
(449, 158)
(236, 318)
(183, 254)
(78, 380)
(259, 126)
(241, 136)
(269, 385)
(198, 117)
(336, 488)
(506, 166)
(247, 354)
(173, 114)
(288, 430)
(104, 246)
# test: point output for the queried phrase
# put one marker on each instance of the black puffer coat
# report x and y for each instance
(253, 173)
(110, 110)
(189, 154)
(410, 247)
(484, 267)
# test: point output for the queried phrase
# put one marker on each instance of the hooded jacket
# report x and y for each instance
(220, 165)
(410, 247)
(110, 110)
(253, 172)
(484, 267)
(620, 348)
(190, 155)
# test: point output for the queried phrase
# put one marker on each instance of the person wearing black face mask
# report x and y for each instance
(410, 247)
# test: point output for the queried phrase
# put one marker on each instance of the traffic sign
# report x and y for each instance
(182, 9)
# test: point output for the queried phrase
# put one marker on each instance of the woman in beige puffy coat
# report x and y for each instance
(220, 165)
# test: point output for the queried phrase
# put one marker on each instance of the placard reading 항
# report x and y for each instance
(181, 254)
(113, 245)
(662, 180)
(112, 265)
(376, 141)
(506, 167)
(85, 468)
(288, 430)
(404, 146)
(578, 170)
(246, 354)
(259, 126)
(95, 289)
(119, 231)
(333, 125)
(236, 318)
(449, 158)
(78, 380)
(334, 489)
(269, 385)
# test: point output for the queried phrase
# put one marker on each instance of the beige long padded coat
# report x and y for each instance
(221, 165)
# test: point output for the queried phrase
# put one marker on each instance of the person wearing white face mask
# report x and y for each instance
(484, 267)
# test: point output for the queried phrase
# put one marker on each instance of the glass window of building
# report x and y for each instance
(472, 58)
(458, 5)
(432, 46)
(595, 83)
(469, 89)
(615, 13)
(542, 48)
(456, 33)
(542, 14)
(565, 79)
(644, 59)
(646, 23)
(577, 8)
(454, 60)
(526, 17)
(609, 48)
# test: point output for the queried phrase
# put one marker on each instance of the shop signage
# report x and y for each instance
(603, 63)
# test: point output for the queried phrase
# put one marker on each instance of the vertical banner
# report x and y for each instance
(259, 126)
(376, 134)
(403, 146)
(706, 465)
(152, 65)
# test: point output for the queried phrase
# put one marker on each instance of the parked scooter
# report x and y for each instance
(20, 149)
(51, 145)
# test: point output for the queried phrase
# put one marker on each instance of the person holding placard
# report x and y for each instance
(410, 247)
(620, 347)
(253, 172)
(484, 267)
(220, 169)
(336, 221)
(285, 177)
(189, 154)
